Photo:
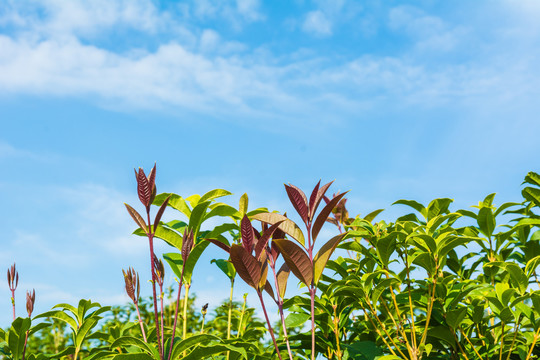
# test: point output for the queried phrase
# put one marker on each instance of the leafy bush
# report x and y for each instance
(435, 283)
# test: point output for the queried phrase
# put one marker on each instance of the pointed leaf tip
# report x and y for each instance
(299, 201)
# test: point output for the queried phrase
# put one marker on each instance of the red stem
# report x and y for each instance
(312, 291)
(140, 321)
(268, 323)
(280, 306)
(150, 235)
(25, 342)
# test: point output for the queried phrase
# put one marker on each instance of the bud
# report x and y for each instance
(159, 270)
(30, 300)
(204, 309)
(133, 287)
(187, 244)
(13, 278)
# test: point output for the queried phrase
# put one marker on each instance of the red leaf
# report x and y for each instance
(137, 217)
(299, 200)
(297, 260)
(246, 230)
(218, 243)
(143, 189)
(152, 185)
(246, 266)
(160, 212)
(261, 243)
(318, 198)
(313, 198)
(325, 212)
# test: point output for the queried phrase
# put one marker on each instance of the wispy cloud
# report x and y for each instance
(55, 55)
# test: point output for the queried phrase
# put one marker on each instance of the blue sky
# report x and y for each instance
(418, 99)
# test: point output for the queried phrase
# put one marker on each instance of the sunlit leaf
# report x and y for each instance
(282, 276)
(320, 260)
(243, 204)
(214, 194)
(288, 226)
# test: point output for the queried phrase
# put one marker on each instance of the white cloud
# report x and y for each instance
(317, 23)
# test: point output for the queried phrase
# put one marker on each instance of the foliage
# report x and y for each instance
(435, 283)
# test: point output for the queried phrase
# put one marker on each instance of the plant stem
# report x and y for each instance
(336, 332)
(513, 339)
(312, 291)
(470, 343)
(25, 342)
(411, 307)
(162, 327)
(242, 316)
(140, 321)
(268, 323)
(176, 312)
(536, 334)
(230, 315)
(13, 302)
(150, 235)
(184, 314)
(502, 340)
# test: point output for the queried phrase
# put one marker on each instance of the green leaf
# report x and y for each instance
(372, 215)
(203, 352)
(171, 237)
(60, 315)
(223, 210)
(16, 336)
(243, 204)
(320, 260)
(214, 194)
(532, 195)
(414, 204)
(296, 259)
(288, 226)
(181, 346)
(134, 356)
(367, 350)
(296, 320)
(455, 317)
(85, 328)
(486, 221)
(175, 201)
(532, 178)
(175, 262)
(132, 341)
(192, 259)
(197, 216)
(532, 265)
(521, 281)
(385, 248)
(225, 266)
(438, 207)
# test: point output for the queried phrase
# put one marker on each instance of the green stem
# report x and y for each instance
(184, 314)
(242, 316)
(230, 315)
